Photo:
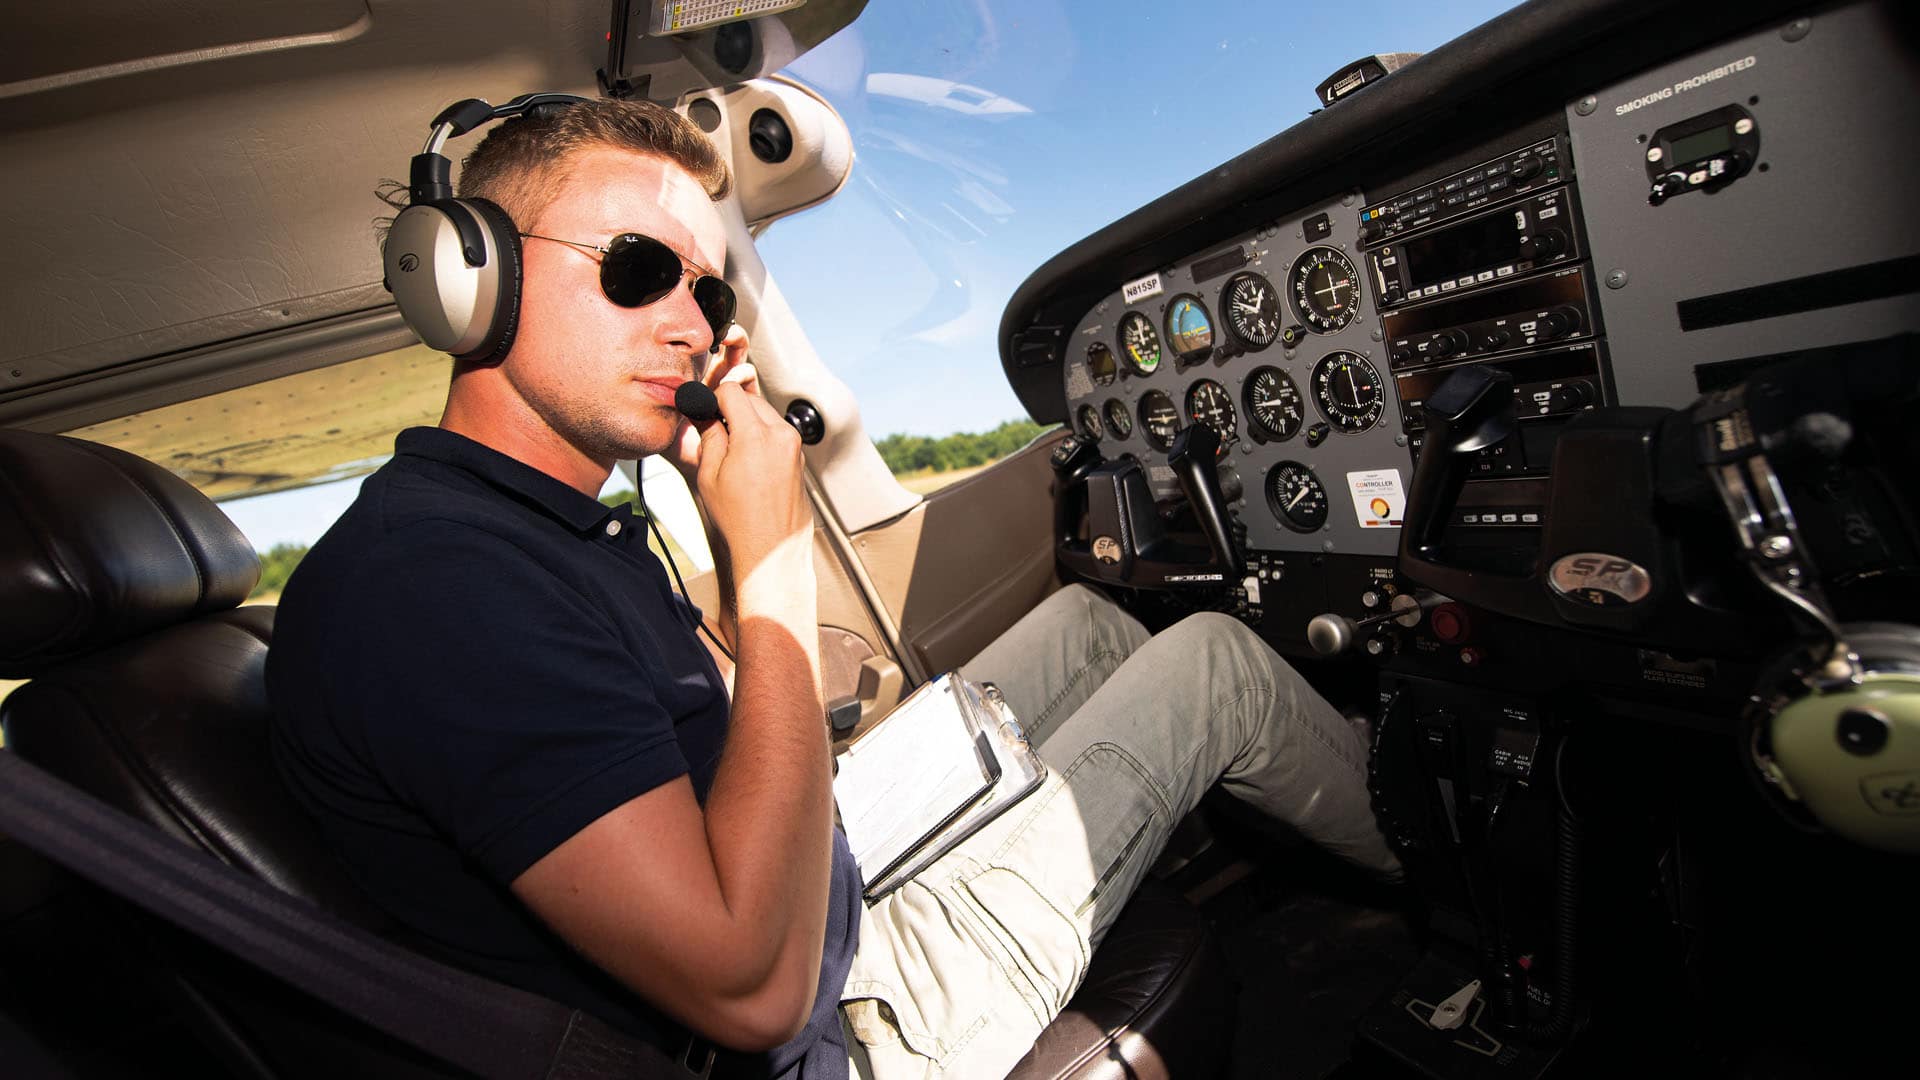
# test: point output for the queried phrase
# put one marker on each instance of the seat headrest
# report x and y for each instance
(97, 546)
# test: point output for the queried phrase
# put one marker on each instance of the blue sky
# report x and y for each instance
(988, 136)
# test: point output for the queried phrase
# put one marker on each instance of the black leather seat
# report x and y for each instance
(121, 584)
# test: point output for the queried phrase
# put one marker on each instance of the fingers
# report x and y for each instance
(732, 366)
(741, 406)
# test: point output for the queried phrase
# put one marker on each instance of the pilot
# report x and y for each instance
(504, 721)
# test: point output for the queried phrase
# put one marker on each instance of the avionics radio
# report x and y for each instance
(1473, 253)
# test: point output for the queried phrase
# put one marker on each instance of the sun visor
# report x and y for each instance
(666, 49)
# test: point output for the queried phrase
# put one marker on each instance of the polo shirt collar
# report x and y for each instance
(579, 511)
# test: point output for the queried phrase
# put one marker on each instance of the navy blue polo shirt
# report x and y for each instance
(473, 664)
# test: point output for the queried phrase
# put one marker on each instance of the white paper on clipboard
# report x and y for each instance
(908, 776)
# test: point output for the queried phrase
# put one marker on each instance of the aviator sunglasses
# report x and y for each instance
(638, 270)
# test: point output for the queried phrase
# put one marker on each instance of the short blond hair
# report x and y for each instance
(521, 164)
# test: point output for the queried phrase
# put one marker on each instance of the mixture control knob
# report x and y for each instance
(1559, 322)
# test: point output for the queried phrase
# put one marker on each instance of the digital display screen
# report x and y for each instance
(1715, 140)
(1462, 249)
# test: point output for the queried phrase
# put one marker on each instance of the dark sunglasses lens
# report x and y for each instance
(638, 270)
(715, 298)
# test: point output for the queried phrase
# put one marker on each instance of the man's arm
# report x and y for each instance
(717, 915)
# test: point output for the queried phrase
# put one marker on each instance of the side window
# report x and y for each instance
(284, 458)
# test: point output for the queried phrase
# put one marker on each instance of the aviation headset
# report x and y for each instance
(1834, 727)
(453, 265)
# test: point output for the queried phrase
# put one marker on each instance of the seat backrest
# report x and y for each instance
(121, 583)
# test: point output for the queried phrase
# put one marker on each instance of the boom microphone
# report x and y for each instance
(696, 402)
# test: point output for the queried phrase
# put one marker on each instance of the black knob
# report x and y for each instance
(1318, 433)
(1559, 322)
(806, 420)
(1527, 168)
(1495, 339)
(769, 136)
(1371, 231)
(1544, 244)
(1447, 342)
(1569, 397)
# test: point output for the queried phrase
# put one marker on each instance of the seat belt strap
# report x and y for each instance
(483, 1027)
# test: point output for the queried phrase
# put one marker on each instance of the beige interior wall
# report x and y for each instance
(965, 564)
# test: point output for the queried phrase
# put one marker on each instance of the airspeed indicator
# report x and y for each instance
(1140, 342)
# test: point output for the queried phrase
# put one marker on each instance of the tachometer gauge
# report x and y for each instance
(1326, 290)
(1090, 422)
(1347, 389)
(1298, 500)
(1119, 420)
(1139, 342)
(1160, 419)
(1274, 408)
(1209, 403)
(1100, 362)
(1252, 310)
(1189, 328)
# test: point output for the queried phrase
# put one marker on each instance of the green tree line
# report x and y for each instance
(963, 450)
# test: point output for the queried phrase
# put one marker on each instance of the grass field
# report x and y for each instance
(926, 481)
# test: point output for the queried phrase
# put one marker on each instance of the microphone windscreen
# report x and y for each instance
(696, 402)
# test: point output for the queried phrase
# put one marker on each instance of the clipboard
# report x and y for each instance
(945, 762)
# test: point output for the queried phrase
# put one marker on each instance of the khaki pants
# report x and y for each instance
(959, 970)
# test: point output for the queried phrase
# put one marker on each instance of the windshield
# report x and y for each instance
(991, 135)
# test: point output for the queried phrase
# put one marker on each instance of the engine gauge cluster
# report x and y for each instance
(1266, 341)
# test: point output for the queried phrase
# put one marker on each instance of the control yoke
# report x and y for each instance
(1126, 541)
(1471, 410)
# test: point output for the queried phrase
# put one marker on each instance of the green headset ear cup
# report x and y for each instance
(505, 324)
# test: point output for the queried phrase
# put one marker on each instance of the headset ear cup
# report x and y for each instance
(505, 323)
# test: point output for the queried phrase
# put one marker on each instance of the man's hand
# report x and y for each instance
(730, 366)
(749, 479)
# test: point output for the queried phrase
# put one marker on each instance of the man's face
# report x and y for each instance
(599, 375)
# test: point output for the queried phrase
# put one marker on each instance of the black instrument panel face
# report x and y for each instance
(1272, 340)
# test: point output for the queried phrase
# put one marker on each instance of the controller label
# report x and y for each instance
(1379, 502)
